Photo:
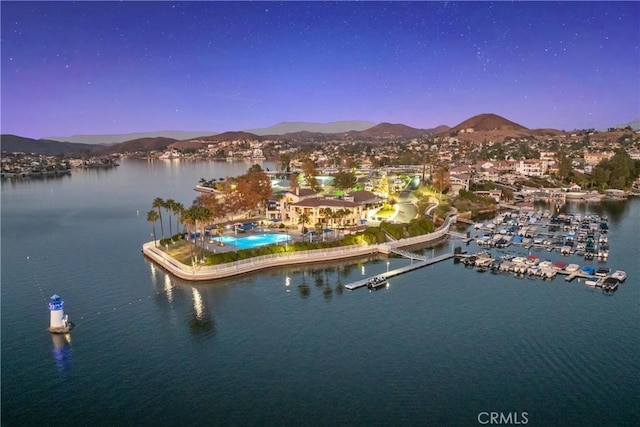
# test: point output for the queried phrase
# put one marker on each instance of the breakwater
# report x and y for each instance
(212, 272)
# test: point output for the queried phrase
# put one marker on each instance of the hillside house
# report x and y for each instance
(531, 167)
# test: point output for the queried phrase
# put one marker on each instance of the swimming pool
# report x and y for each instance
(253, 240)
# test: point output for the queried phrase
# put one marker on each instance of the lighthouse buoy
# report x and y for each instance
(59, 322)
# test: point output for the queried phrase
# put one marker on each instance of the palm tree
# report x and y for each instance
(328, 215)
(194, 217)
(152, 217)
(168, 205)
(159, 203)
(204, 215)
(178, 209)
(303, 219)
(188, 218)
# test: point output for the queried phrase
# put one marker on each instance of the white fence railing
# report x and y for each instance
(209, 272)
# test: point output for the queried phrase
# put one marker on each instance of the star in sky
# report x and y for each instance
(120, 67)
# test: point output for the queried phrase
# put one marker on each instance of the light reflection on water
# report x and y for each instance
(439, 345)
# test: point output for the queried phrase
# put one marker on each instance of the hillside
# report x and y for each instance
(123, 137)
(234, 136)
(186, 145)
(140, 144)
(488, 122)
(391, 130)
(284, 128)
(13, 143)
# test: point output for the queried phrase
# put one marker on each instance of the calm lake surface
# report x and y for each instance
(289, 345)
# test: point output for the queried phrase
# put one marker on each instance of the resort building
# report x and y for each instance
(352, 209)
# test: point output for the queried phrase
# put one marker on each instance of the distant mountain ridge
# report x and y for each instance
(635, 125)
(277, 129)
(331, 127)
(14, 143)
(476, 128)
(140, 144)
(122, 137)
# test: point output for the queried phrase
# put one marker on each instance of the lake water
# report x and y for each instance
(289, 345)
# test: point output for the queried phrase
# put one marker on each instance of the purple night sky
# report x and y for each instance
(119, 67)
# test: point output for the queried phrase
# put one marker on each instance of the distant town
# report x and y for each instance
(486, 153)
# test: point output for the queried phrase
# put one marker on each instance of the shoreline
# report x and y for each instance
(202, 273)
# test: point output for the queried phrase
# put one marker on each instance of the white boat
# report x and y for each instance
(519, 260)
(376, 282)
(548, 273)
(591, 283)
(572, 268)
(545, 264)
(620, 275)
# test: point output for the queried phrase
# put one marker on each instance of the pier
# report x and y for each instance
(401, 270)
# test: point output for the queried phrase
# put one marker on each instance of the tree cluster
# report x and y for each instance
(617, 172)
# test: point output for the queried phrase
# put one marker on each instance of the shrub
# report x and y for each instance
(442, 210)
(397, 231)
(420, 226)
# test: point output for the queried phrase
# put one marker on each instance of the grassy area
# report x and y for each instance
(385, 212)
(181, 251)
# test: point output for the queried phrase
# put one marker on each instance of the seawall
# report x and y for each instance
(220, 271)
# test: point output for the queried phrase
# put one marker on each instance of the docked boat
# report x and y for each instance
(566, 250)
(545, 264)
(589, 270)
(377, 282)
(560, 265)
(603, 271)
(603, 254)
(620, 275)
(548, 273)
(572, 268)
(592, 283)
(610, 284)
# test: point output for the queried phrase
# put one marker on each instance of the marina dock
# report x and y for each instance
(414, 266)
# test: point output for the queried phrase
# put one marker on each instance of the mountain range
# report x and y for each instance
(14, 143)
(121, 137)
(331, 127)
(476, 128)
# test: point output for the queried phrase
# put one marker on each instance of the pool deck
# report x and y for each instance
(214, 245)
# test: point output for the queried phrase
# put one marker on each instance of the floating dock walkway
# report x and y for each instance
(401, 270)
(407, 254)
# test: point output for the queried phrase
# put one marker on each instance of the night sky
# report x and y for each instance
(119, 67)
